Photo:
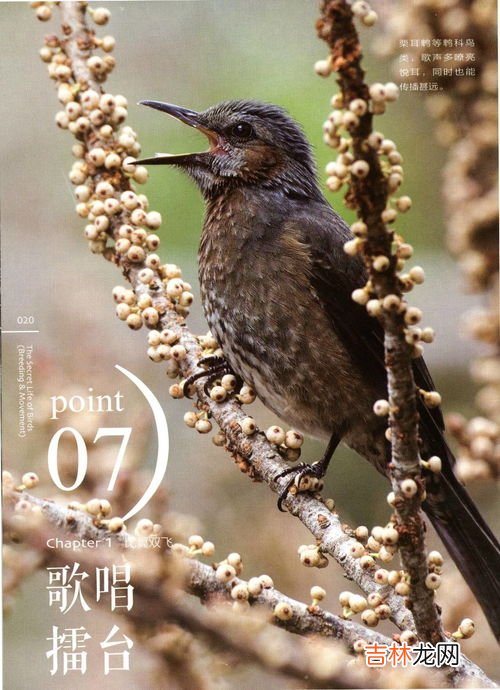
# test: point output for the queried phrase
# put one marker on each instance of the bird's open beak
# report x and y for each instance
(189, 117)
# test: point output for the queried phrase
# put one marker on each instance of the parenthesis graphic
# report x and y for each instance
(163, 442)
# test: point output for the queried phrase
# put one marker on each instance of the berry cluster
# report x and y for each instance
(120, 225)
(478, 456)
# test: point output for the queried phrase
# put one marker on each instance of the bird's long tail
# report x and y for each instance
(469, 541)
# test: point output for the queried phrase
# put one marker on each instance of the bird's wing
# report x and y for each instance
(334, 276)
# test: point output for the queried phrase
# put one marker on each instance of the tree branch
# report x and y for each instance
(369, 192)
(157, 600)
(80, 43)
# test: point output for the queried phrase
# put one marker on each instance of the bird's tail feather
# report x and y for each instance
(470, 543)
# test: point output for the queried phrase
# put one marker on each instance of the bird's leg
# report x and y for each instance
(316, 469)
(216, 367)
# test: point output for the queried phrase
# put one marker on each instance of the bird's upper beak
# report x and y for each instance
(189, 117)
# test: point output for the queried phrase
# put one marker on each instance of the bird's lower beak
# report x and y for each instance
(189, 117)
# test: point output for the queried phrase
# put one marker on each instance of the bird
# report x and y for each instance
(276, 289)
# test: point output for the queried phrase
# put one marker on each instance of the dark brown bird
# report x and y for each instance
(276, 288)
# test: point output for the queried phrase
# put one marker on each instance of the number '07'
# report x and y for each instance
(82, 455)
(123, 432)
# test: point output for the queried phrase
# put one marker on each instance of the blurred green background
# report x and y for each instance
(192, 53)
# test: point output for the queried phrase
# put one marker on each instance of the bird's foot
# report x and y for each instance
(216, 368)
(308, 477)
(304, 478)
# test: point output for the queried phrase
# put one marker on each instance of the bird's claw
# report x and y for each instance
(216, 368)
(315, 471)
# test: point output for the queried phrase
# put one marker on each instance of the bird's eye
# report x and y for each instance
(242, 130)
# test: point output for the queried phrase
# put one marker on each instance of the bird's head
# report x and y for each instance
(250, 143)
